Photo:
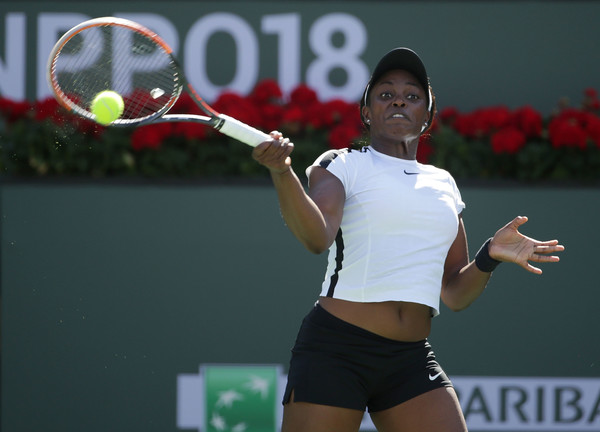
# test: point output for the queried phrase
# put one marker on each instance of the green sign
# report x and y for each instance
(240, 399)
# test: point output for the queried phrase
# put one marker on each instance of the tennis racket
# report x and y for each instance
(123, 56)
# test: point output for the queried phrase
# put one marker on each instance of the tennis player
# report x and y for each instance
(397, 244)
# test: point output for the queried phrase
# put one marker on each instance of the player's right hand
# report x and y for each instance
(275, 153)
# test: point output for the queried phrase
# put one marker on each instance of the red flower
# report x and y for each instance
(292, 119)
(465, 124)
(238, 107)
(186, 105)
(336, 111)
(141, 103)
(270, 117)
(482, 122)
(353, 117)
(191, 131)
(508, 140)
(425, 149)
(528, 121)
(495, 118)
(303, 96)
(574, 116)
(13, 110)
(266, 92)
(150, 136)
(435, 126)
(315, 115)
(342, 136)
(49, 109)
(566, 132)
(572, 128)
(593, 128)
(87, 127)
(448, 115)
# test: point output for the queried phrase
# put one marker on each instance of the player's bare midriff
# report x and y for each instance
(401, 321)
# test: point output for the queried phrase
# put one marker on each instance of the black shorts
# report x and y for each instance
(339, 364)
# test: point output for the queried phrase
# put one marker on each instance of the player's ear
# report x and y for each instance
(366, 114)
(426, 123)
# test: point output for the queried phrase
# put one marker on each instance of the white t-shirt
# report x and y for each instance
(400, 218)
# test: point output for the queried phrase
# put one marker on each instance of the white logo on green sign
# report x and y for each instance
(240, 399)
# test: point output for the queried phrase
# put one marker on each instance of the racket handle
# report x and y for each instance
(242, 132)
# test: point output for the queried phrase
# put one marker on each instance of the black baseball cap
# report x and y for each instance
(400, 58)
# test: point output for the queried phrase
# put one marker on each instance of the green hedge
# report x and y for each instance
(41, 139)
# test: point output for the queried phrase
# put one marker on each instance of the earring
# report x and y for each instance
(368, 121)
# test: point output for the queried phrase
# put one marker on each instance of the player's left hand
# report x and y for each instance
(509, 245)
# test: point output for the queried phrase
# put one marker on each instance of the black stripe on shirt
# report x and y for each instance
(339, 259)
(326, 158)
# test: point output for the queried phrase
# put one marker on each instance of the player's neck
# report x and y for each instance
(398, 149)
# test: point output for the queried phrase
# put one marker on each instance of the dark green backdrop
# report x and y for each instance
(110, 291)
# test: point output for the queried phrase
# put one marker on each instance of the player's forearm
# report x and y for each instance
(464, 287)
(300, 213)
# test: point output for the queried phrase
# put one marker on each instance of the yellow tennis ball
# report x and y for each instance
(107, 106)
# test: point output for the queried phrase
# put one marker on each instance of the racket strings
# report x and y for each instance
(75, 80)
(118, 58)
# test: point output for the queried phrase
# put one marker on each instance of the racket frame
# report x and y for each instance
(221, 122)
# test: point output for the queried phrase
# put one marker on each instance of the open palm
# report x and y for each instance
(509, 245)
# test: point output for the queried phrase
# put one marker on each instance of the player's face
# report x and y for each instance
(397, 106)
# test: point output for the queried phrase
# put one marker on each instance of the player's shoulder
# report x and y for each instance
(438, 174)
(432, 169)
(341, 154)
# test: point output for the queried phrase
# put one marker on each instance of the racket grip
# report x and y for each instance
(242, 132)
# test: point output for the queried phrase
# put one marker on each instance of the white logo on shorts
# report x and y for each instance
(434, 377)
